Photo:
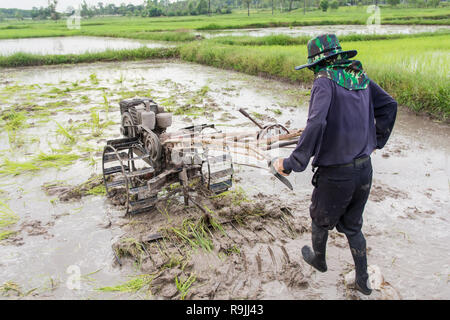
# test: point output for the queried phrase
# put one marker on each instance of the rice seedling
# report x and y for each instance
(13, 122)
(236, 196)
(70, 138)
(106, 102)
(7, 216)
(7, 219)
(277, 112)
(134, 285)
(96, 127)
(6, 234)
(121, 79)
(36, 163)
(132, 248)
(184, 286)
(93, 78)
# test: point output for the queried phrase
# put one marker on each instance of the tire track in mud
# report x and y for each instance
(247, 252)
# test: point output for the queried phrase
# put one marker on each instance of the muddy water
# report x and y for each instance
(72, 45)
(406, 218)
(315, 30)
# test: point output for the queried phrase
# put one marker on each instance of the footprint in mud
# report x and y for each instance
(381, 288)
(36, 228)
(414, 212)
(380, 192)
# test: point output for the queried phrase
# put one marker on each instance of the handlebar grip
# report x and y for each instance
(244, 113)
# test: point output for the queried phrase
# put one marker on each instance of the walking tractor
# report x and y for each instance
(151, 159)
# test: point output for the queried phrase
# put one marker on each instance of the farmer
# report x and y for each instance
(349, 117)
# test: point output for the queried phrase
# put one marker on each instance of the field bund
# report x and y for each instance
(412, 68)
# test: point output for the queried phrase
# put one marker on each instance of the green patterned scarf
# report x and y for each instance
(346, 73)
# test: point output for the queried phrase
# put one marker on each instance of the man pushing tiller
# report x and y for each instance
(349, 117)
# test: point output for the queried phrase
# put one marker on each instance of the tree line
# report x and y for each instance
(156, 8)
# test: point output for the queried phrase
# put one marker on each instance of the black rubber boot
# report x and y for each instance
(316, 258)
(358, 249)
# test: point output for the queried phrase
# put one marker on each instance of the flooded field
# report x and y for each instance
(58, 120)
(315, 30)
(72, 45)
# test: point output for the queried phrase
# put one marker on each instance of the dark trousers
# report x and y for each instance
(338, 200)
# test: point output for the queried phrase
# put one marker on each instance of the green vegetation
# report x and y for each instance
(174, 28)
(400, 63)
(194, 234)
(184, 286)
(37, 162)
(409, 74)
(285, 40)
(133, 285)
(26, 59)
(7, 219)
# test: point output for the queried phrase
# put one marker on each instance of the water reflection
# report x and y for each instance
(72, 45)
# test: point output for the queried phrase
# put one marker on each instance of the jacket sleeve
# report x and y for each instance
(311, 137)
(385, 112)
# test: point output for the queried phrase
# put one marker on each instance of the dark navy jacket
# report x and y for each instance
(343, 125)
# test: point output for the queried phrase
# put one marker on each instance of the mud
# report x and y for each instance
(405, 220)
(244, 234)
(65, 192)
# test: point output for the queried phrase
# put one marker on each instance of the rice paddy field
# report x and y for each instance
(58, 107)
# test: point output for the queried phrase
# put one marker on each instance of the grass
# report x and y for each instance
(180, 28)
(285, 40)
(27, 59)
(416, 75)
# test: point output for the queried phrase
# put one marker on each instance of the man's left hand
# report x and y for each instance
(278, 165)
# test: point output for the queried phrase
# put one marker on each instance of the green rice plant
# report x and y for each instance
(184, 236)
(121, 79)
(106, 102)
(417, 75)
(201, 237)
(189, 110)
(14, 168)
(6, 234)
(44, 160)
(184, 286)
(93, 78)
(7, 216)
(213, 221)
(96, 127)
(38, 162)
(276, 111)
(235, 196)
(7, 219)
(134, 285)
(70, 138)
(85, 99)
(131, 247)
(97, 191)
(13, 122)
